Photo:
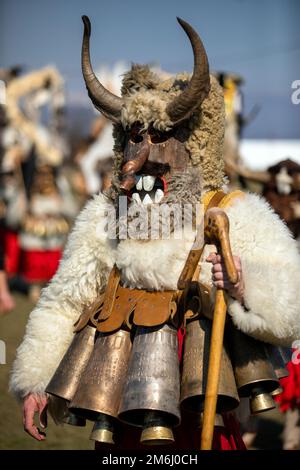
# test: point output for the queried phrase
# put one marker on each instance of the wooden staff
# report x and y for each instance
(217, 231)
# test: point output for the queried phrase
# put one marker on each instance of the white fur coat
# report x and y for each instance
(270, 263)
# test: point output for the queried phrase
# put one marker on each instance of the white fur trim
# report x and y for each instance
(83, 271)
(155, 264)
(271, 269)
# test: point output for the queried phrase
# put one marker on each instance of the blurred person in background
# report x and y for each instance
(43, 220)
(235, 122)
(6, 301)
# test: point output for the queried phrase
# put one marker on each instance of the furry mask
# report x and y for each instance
(167, 133)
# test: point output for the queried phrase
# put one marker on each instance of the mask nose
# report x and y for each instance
(134, 164)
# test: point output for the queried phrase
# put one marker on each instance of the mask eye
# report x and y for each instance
(135, 134)
(157, 136)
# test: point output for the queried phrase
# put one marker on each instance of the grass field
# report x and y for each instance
(12, 436)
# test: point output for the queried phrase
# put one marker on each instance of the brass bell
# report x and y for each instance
(58, 409)
(152, 384)
(278, 359)
(260, 401)
(104, 430)
(67, 376)
(74, 420)
(101, 385)
(277, 391)
(195, 370)
(254, 374)
(155, 430)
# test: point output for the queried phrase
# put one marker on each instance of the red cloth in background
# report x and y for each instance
(33, 265)
(290, 397)
(9, 239)
(38, 265)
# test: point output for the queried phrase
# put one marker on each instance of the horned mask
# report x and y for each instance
(165, 131)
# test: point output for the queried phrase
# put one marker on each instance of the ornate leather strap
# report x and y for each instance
(228, 199)
(90, 314)
(110, 294)
(121, 309)
(139, 307)
(155, 308)
(211, 199)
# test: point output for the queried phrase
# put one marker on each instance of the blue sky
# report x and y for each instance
(258, 38)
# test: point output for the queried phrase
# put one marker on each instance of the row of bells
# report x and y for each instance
(108, 378)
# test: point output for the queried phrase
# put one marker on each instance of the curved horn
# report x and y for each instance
(105, 101)
(199, 85)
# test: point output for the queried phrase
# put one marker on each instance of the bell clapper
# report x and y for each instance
(156, 430)
(260, 401)
(73, 420)
(103, 430)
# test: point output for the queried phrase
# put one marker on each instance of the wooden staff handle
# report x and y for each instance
(217, 229)
(214, 365)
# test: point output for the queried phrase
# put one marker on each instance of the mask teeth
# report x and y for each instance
(136, 198)
(147, 200)
(148, 182)
(159, 195)
(139, 183)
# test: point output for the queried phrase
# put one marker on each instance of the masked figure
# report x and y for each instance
(133, 320)
(44, 228)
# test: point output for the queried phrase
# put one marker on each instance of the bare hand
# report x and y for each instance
(220, 277)
(32, 404)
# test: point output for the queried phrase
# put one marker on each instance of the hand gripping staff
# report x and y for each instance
(216, 229)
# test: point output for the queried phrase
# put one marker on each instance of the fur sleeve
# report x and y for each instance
(83, 270)
(271, 269)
